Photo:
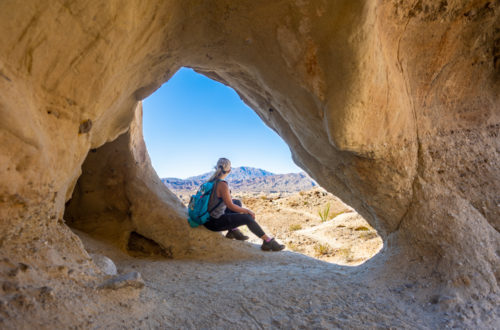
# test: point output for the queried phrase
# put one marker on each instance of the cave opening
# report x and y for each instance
(291, 206)
(192, 120)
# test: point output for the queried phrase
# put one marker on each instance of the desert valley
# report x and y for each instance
(302, 215)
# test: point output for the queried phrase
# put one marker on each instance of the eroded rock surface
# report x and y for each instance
(392, 106)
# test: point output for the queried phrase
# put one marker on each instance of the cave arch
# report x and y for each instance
(108, 202)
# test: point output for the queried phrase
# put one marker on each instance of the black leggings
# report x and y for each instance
(230, 220)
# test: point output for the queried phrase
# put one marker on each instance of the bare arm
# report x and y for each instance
(223, 192)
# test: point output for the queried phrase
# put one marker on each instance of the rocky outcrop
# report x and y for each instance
(392, 106)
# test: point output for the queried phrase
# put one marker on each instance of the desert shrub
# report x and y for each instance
(322, 249)
(295, 227)
(306, 203)
(361, 228)
(324, 213)
(294, 204)
(344, 253)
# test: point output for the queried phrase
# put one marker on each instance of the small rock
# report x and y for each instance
(46, 291)
(85, 126)
(133, 280)
(106, 265)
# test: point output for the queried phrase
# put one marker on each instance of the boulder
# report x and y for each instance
(106, 265)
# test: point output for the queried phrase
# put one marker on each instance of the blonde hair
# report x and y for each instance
(223, 166)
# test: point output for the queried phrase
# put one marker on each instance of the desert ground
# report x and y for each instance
(283, 290)
(314, 223)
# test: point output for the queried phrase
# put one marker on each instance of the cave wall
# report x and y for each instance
(119, 195)
(392, 106)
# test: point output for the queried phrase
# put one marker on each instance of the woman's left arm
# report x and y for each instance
(228, 200)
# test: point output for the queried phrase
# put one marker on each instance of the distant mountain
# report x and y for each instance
(247, 180)
(237, 173)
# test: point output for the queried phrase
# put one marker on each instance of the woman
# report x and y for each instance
(227, 213)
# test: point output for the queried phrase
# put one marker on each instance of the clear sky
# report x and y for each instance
(192, 121)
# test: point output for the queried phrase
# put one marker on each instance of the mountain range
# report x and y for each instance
(247, 180)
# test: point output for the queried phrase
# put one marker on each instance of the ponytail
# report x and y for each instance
(223, 166)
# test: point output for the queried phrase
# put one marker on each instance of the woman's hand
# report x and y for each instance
(251, 213)
(223, 192)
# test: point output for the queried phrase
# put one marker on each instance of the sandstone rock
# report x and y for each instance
(106, 265)
(133, 280)
(393, 106)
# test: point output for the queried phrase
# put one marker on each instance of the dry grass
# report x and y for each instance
(295, 227)
(345, 253)
(322, 249)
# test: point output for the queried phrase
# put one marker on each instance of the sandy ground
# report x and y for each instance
(314, 223)
(317, 224)
(284, 290)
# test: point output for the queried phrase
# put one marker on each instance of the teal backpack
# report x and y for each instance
(198, 212)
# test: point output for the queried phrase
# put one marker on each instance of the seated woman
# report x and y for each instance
(227, 213)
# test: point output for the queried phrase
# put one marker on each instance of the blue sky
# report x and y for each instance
(191, 121)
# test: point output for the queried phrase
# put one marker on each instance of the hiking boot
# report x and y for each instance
(236, 234)
(272, 245)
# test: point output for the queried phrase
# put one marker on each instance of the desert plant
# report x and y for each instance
(324, 213)
(361, 228)
(344, 253)
(295, 227)
(322, 249)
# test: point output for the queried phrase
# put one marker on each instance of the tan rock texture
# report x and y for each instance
(391, 105)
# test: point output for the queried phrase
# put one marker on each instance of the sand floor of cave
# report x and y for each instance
(283, 290)
(295, 288)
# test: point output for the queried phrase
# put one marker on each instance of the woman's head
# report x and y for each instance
(222, 168)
